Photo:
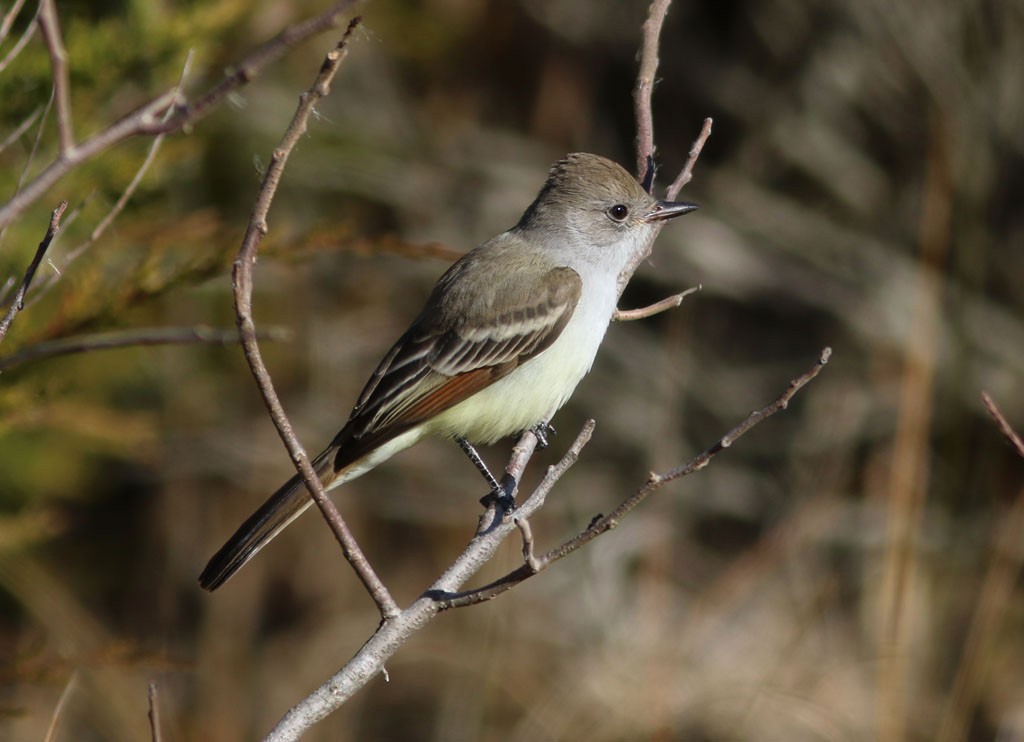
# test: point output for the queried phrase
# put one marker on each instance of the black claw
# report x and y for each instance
(543, 431)
(502, 496)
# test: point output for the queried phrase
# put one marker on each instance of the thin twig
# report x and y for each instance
(149, 118)
(686, 174)
(992, 609)
(198, 335)
(1004, 426)
(59, 708)
(528, 556)
(22, 40)
(671, 302)
(18, 302)
(369, 661)
(605, 523)
(49, 25)
(644, 87)
(122, 201)
(31, 157)
(8, 21)
(22, 128)
(992, 603)
(154, 714)
(243, 284)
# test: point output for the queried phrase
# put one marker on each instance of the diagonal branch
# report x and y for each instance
(5, 27)
(391, 635)
(9, 16)
(604, 523)
(686, 174)
(148, 119)
(18, 302)
(243, 283)
(1004, 426)
(115, 211)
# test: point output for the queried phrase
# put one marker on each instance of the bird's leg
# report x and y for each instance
(499, 494)
(542, 430)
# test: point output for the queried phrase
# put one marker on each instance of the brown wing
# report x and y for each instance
(445, 358)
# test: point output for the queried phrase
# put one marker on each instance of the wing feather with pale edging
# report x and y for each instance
(445, 358)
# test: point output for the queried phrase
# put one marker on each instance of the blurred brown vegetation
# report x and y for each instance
(818, 581)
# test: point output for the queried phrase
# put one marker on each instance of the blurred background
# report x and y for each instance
(850, 570)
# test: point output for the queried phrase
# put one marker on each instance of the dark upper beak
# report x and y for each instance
(669, 210)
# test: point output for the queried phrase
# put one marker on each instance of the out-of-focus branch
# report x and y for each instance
(9, 16)
(18, 302)
(5, 28)
(671, 302)
(604, 523)
(118, 207)
(49, 25)
(993, 603)
(151, 118)
(62, 702)
(243, 285)
(154, 715)
(198, 335)
(22, 128)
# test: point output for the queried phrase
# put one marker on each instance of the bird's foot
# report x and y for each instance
(543, 431)
(502, 496)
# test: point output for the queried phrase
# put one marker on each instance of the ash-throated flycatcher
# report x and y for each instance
(506, 335)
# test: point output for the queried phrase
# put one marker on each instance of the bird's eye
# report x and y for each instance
(618, 212)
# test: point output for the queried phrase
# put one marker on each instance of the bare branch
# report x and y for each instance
(122, 201)
(644, 87)
(604, 523)
(154, 714)
(148, 119)
(391, 635)
(198, 335)
(18, 302)
(22, 128)
(8, 21)
(528, 556)
(49, 25)
(243, 284)
(59, 708)
(686, 174)
(22, 40)
(671, 302)
(1004, 426)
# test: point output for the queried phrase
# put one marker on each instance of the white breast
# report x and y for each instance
(533, 392)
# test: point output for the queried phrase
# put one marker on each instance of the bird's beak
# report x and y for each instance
(669, 210)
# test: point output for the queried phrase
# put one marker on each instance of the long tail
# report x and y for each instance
(273, 516)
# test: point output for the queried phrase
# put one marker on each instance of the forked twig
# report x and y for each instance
(150, 118)
(605, 523)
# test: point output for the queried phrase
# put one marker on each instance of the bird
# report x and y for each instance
(500, 345)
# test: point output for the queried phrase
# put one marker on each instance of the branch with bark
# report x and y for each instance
(496, 524)
(168, 112)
